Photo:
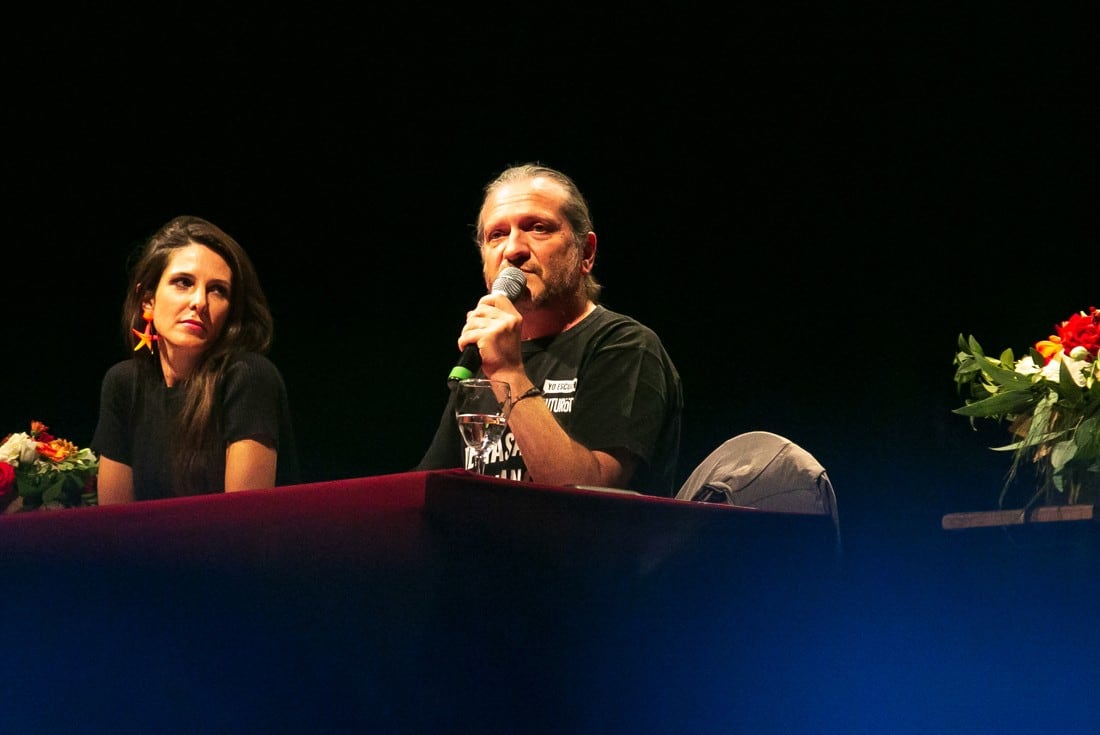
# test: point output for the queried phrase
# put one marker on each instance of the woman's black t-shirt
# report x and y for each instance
(137, 416)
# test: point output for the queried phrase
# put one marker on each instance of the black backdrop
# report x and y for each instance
(808, 204)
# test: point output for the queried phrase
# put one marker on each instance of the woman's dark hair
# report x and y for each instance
(249, 327)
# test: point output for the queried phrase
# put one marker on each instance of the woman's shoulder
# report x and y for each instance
(252, 360)
(121, 371)
(252, 366)
(129, 378)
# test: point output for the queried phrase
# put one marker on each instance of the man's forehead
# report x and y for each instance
(538, 192)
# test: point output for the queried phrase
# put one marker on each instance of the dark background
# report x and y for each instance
(808, 204)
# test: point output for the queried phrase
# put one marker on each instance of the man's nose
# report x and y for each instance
(516, 247)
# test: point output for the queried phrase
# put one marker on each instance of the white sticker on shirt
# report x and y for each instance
(552, 393)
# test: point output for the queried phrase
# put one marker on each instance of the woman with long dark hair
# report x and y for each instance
(198, 408)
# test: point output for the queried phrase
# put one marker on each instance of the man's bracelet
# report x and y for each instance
(531, 392)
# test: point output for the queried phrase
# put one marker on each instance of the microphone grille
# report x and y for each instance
(510, 282)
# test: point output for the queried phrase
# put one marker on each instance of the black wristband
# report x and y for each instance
(531, 392)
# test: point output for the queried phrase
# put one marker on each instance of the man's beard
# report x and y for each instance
(562, 286)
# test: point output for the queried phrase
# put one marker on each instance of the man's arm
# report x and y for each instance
(551, 455)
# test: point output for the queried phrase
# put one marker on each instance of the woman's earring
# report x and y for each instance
(146, 338)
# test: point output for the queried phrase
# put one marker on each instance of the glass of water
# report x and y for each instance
(481, 409)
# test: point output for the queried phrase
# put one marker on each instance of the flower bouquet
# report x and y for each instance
(46, 472)
(1050, 398)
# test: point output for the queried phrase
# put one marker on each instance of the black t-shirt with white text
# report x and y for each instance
(609, 383)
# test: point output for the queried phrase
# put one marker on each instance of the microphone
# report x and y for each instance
(510, 282)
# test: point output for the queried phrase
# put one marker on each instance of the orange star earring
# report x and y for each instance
(146, 338)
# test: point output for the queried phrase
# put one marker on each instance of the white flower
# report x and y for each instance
(1051, 370)
(18, 449)
(9, 450)
(1080, 369)
(1077, 369)
(1026, 366)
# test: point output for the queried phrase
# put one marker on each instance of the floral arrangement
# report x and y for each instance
(1050, 398)
(46, 472)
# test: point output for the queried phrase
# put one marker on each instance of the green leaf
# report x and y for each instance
(1066, 384)
(1087, 439)
(968, 370)
(972, 344)
(1061, 453)
(28, 488)
(54, 490)
(1002, 376)
(1000, 404)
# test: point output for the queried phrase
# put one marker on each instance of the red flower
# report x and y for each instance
(41, 432)
(1080, 330)
(7, 478)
